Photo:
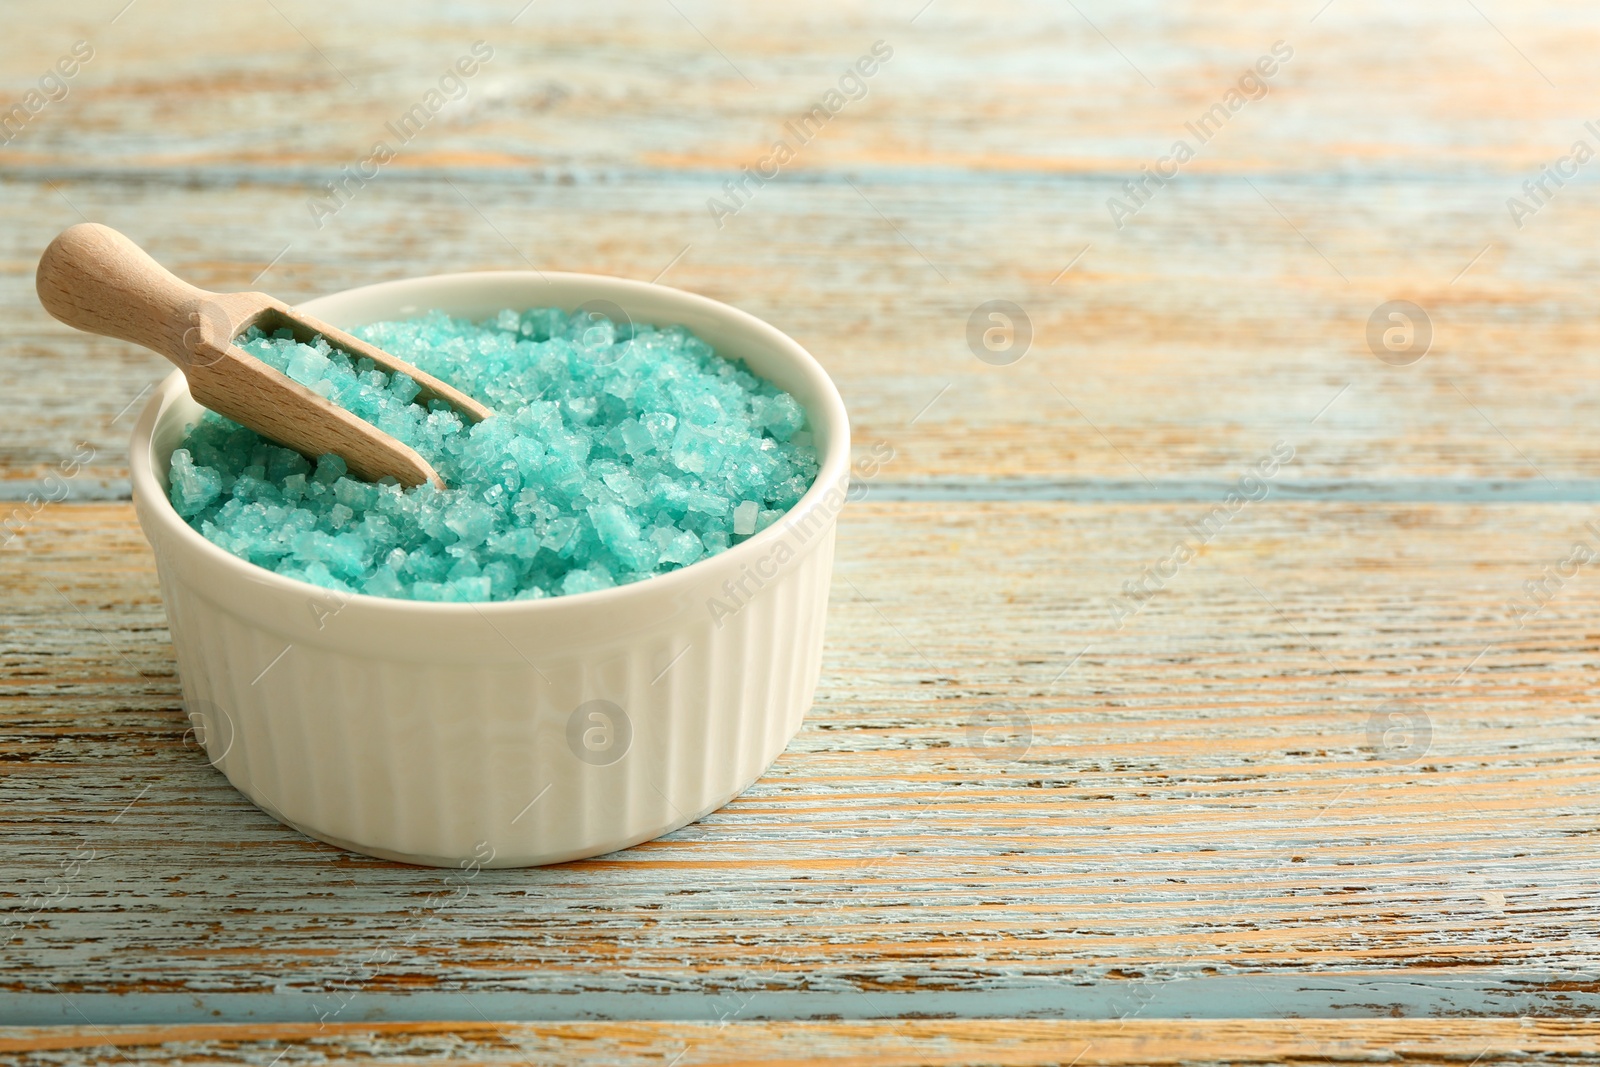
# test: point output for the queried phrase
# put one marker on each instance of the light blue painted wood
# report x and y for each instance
(1338, 996)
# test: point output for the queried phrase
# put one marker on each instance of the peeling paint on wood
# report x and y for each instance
(1125, 1043)
(1238, 353)
(1322, 771)
(1195, 815)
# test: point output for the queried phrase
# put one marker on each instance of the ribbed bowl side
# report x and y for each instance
(443, 762)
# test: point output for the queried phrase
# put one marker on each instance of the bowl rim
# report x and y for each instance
(833, 468)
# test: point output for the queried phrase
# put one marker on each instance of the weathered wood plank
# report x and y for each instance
(1213, 810)
(999, 86)
(590, 163)
(1143, 1042)
(1209, 812)
(1181, 348)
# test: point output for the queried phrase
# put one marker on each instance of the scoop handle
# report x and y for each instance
(95, 279)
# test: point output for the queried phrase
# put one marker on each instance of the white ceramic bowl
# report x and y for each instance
(515, 733)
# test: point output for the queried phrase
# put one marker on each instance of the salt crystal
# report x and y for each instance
(744, 517)
(306, 365)
(618, 452)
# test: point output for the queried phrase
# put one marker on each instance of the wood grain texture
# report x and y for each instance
(1251, 338)
(1324, 772)
(994, 87)
(1228, 312)
(912, 1043)
(1211, 812)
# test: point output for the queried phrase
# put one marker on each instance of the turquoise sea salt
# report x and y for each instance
(616, 453)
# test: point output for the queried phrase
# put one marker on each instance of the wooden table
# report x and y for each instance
(1317, 791)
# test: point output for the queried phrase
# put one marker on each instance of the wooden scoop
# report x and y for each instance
(95, 279)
